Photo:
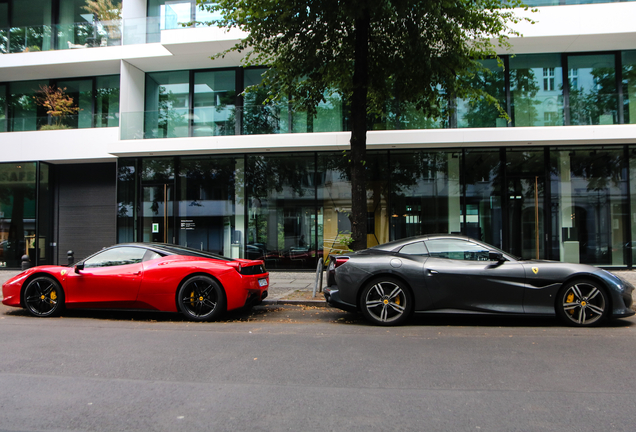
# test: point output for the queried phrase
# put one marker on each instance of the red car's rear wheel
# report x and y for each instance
(200, 298)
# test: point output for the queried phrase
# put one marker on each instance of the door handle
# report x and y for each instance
(432, 272)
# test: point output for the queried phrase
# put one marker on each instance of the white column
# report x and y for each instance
(131, 101)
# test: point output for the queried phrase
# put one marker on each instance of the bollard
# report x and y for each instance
(26, 262)
(70, 257)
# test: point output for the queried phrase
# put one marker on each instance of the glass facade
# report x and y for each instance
(629, 86)
(570, 204)
(19, 213)
(483, 113)
(592, 96)
(167, 104)
(534, 90)
(43, 25)
(96, 98)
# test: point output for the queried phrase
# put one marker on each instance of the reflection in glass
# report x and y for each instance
(167, 106)
(3, 108)
(536, 86)
(27, 115)
(593, 97)
(525, 197)
(334, 200)
(425, 193)
(259, 118)
(107, 101)
(629, 87)
(482, 113)
(30, 26)
(214, 109)
(126, 199)
(588, 199)
(82, 93)
(17, 212)
(45, 230)
(482, 188)
(632, 214)
(281, 215)
(206, 205)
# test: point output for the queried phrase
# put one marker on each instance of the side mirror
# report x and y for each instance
(496, 256)
(78, 268)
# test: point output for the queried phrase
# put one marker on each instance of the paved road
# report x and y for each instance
(308, 368)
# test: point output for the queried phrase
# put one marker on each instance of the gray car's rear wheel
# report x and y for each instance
(201, 298)
(582, 303)
(43, 297)
(386, 301)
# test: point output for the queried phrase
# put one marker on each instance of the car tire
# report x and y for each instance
(201, 298)
(386, 301)
(43, 297)
(582, 303)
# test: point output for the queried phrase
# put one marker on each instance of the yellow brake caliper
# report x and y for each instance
(53, 295)
(570, 299)
(192, 298)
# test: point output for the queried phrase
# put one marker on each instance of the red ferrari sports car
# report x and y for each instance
(162, 277)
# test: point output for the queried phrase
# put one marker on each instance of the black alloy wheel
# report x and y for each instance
(43, 297)
(582, 303)
(200, 298)
(386, 301)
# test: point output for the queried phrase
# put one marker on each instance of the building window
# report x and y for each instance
(573, 77)
(535, 90)
(548, 79)
(593, 97)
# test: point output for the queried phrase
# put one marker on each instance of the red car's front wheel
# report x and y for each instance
(200, 298)
(43, 297)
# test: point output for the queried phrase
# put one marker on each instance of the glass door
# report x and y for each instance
(157, 214)
(525, 217)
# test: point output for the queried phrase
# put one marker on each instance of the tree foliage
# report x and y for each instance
(369, 52)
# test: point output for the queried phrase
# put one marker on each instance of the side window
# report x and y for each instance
(457, 249)
(150, 255)
(115, 257)
(414, 249)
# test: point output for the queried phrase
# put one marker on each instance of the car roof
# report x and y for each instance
(172, 249)
(395, 244)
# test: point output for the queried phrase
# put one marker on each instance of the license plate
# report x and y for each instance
(262, 282)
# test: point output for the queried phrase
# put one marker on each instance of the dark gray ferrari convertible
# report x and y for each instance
(449, 273)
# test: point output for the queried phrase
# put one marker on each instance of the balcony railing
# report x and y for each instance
(80, 35)
(78, 121)
(228, 120)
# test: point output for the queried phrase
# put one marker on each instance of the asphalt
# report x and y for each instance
(298, 288)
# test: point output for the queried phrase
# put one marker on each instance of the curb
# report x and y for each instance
(268, 302)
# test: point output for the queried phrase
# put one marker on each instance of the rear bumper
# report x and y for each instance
(332, 296)
(255, 297)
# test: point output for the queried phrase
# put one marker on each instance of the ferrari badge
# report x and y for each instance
(535, 270)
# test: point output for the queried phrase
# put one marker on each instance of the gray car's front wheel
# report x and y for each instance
(582, 303)
(386, 301)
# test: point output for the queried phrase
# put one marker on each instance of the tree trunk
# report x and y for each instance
(359, 132)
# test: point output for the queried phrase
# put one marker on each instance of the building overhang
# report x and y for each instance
(403, 139)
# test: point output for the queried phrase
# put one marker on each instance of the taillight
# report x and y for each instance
(248, 270)
(337, 261)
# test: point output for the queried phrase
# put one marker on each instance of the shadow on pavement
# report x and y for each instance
(312, 314)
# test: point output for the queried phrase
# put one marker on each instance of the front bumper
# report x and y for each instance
(332, 296)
